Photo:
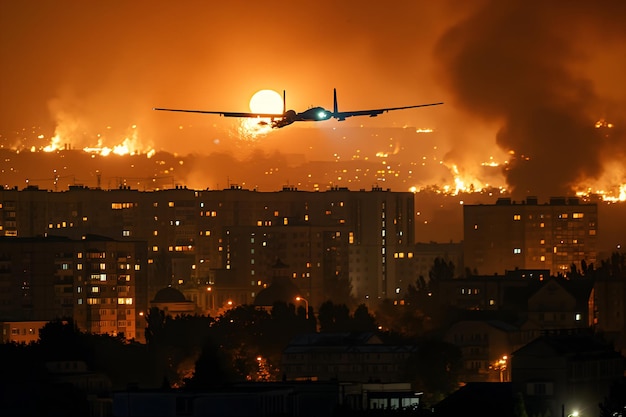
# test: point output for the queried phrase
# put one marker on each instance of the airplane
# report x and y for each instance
(313, 114)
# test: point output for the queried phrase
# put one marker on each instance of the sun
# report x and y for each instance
(263, 101)
(266, 101)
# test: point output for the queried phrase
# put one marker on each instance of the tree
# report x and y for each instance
(334, 317)
(155, 324)
(211, 368)
(615, 403)
(362, 320)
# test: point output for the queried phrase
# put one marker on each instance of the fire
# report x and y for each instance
(130, 145)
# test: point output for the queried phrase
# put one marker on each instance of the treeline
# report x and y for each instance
(200, 352)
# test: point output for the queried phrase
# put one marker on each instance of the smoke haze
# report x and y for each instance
(524, 83)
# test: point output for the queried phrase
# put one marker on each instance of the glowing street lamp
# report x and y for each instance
(306, 306)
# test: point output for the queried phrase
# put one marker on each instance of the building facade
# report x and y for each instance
(508, 235)
(99, 282)
(219, 246)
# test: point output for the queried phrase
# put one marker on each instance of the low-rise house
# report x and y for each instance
(345, 357)
(565, 370)
(485, 347)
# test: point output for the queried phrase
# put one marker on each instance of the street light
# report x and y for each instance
(306, 306)
(573, 414)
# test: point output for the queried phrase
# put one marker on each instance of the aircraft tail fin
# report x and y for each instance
(335, 107)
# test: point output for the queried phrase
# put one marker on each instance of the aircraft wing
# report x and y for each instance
(375, 112)
(224, 113)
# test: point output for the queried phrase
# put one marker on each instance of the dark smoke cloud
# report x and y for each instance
(526, 66)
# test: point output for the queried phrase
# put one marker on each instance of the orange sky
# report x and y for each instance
(532, 78)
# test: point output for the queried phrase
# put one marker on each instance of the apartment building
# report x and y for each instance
(98, 282)
(510, 235)
(214, 245)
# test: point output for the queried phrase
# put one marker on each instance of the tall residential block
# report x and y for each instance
(511, 235)
(219, 246)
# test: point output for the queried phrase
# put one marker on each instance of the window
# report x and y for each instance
(517, 250)
(578, 215)
(517, 217)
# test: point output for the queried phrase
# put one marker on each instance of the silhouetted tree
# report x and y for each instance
(338, 289)
(155, 320)
(362, 320)
(212, 369)
(614, 403)
(441, 270)
(334, 317)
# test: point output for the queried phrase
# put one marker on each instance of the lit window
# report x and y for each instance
(578, 317)
(126, 233)
(155, 249)
(542, 242)
(170, 204)
(517, 250)
(542, 258)
(517, 217)
(542, 225)
(578, 215)
(592, 232)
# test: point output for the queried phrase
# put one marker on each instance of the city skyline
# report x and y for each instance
(532, 100)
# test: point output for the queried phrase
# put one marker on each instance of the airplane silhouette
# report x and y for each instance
(313, 114)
